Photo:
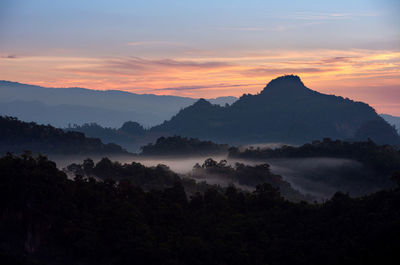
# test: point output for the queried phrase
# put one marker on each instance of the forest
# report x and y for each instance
(198, 180)
(18, 136)
(385, 158)
(48, 218)
(173, 132)
(376, 162)
(130, 135)
(180, 146)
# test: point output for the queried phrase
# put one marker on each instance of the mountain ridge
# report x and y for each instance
(393, 120)
(147, 109)
(17, 136)
(274, 115)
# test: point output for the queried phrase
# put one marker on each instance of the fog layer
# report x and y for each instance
(320, 177)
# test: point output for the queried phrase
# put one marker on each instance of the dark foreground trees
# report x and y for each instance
(49, 219)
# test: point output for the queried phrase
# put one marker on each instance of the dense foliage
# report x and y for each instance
(377, 163)
(209, 175)
(393, 120)
(383, 158)
(17, 136)
(247, 177)
(379, 131)
(285, 111)
(127, 136)
(158, 177)
(178, 146)
(48, 219)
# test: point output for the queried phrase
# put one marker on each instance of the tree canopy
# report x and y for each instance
(47, 218)
(17, 136)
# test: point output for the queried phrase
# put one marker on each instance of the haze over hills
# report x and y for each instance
(131, 135)
(393, 120)
(92, 172)
(62, 106)
(284, 111)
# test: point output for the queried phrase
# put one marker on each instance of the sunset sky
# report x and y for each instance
(205, 48)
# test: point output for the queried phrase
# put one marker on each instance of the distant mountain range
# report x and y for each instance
(62, 106)
(131, 135)
(284, 111)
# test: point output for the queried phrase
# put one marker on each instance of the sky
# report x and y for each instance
(205, 48)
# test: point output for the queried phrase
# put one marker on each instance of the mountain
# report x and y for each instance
(130, 136)
(393, 120)
(64, 115)
(17, 136)
(59, 106)
(284, 111)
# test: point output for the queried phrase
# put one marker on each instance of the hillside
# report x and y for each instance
(17, 136)
(284, 111)
(393, 120)
(368, 168)
(60, 221)
(181, 146)
(131, 135)
(65, 114)
(110, 108)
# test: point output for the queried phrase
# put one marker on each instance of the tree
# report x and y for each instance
(396, 178)
(88, 166)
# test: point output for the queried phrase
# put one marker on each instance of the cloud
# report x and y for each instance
(242, 28)
(135, 66)
(326, 61)
(328, 16)
(183, 88)
(341, 72)
(154, 43)
(10, 56)
(337, 59)
(265, 71)
(139, 63)
(275, 28)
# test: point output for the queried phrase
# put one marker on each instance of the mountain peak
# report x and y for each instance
(286, 82)
(295, 79)
(202, 102)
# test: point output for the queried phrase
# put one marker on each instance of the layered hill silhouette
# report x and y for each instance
(131, 135)
(284, 111)
(111, 108)
(17, 136)
(393, 120)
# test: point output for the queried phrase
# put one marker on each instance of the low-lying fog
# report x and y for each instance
(317, 176)
(308, 175)
(265, 145)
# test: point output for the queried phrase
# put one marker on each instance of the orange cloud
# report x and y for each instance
(359, 74)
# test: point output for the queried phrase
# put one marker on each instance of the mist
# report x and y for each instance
(320, 177)
(317, 175)
(264, 146)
